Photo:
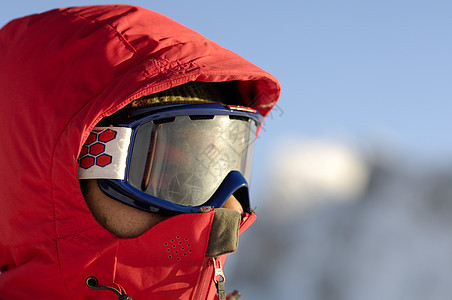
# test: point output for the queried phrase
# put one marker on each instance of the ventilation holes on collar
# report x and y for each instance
(178, 248)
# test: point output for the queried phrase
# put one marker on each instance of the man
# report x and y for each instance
(84, 104)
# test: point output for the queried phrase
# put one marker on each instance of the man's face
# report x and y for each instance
(123, 220)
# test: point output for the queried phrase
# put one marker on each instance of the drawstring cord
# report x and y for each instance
(92, 282)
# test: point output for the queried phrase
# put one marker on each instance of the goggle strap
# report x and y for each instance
(104, 154)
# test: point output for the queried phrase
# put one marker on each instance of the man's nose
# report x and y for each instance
(233, 203)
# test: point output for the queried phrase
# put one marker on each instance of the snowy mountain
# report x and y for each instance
(389, 237)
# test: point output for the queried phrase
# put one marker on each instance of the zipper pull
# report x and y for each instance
(219, 278)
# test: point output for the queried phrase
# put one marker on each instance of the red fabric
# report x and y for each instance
(60, 73)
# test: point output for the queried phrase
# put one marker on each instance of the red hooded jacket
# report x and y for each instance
(60, 73)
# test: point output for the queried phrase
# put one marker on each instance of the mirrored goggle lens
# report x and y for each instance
(184, 159)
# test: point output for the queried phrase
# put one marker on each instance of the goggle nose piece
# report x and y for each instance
(233, 184)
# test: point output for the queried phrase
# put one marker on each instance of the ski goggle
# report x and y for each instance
(174, 158)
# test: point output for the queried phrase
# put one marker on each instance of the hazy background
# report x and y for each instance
(353, 170)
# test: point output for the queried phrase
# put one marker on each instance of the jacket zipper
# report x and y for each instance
(213, 273)
(204, 280)
(219, 278)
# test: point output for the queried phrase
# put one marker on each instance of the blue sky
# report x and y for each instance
(363, 71)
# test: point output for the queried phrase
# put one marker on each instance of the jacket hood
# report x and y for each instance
(60, 73)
